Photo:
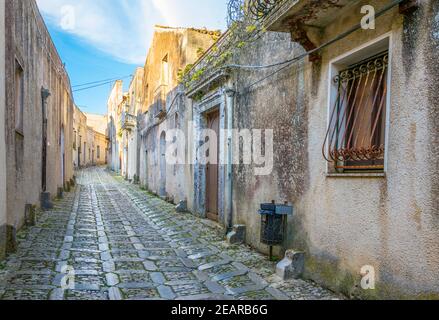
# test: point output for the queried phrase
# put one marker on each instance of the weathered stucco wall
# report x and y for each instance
(114, 101)
(28, 45)
(278, 103)
(135, 93)
(101, 145)
(97, 121)
(2, 133)
(390, 223)
(80, 130)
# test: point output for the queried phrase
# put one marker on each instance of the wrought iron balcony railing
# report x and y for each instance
(260, 9)
(159, 107)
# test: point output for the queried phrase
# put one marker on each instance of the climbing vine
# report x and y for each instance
(245, 26)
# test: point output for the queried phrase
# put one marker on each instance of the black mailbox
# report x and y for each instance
(274, 218)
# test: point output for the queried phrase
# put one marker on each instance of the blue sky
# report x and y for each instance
(105, 39)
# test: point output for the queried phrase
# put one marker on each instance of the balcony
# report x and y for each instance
(128, 121)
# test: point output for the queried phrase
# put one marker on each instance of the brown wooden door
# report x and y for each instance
(213, 120)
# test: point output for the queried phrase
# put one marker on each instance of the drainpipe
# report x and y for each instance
(230, 95)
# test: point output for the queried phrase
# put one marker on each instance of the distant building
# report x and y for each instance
(90, 144)
(349, 120)
(97, 121)
(79, 138)
(353, 112)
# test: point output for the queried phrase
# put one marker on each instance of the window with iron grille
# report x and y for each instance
(355, 140)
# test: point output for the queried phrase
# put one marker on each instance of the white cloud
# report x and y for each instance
(123, 28)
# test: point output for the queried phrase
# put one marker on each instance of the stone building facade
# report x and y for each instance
(100, 143)
(171, 51)
(132, 110)
(97, 143)
(39, 115)
(79, 138)
(90, 144)
(3, 215)
(114, 133)
(365, 101)
(351, 116)
(97, 121)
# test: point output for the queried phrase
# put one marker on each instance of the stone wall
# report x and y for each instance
(345, 222)
(29, 47)
(3, 216)
(97, 121)
(277, 103)
(135, 93)
(179, 47)
(113, 119)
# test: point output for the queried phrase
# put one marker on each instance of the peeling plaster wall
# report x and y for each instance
(3, 216)
(29, 43)
(346, 223)
(389, 223)
(114, 101)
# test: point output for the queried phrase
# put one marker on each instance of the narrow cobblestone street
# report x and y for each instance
(126, 244)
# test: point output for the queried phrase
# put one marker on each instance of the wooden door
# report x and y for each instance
(213, 120)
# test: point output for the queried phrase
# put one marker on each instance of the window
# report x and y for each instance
(98, 151)
(19, 98)
(355, 140)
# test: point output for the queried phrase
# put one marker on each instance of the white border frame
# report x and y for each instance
(331, 68)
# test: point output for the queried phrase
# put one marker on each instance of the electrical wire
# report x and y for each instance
(100, 81)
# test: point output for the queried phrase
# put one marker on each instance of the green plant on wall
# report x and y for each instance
(242, 32)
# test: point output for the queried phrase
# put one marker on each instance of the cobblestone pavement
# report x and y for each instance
(126, 244)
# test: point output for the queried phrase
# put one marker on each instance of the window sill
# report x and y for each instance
(356, 175)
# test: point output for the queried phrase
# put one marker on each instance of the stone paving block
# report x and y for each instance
(166, 292)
